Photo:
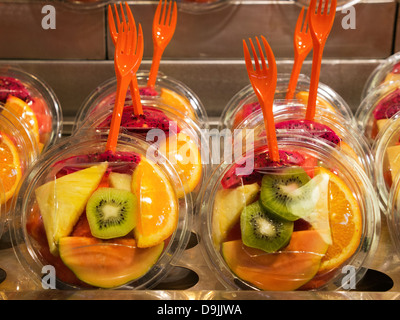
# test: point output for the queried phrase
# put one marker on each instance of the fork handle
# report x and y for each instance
(135, 93)
(269, 124)
(315, 72)
(294, 76)
(122, 88)
(155, 64)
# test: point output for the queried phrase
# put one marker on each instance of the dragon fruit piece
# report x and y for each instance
(396, 68)
(262, 161)
(11, 86)
(246, 110)
(122, 162)
(148, 92)
(388, 106)
(151, 118)
(315, 129)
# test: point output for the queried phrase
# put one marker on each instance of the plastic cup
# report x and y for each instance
(385, 151)
(280, 266)
(175, 128)
(376, 108)
(352, 143)
(104, 97)
(392, 215)
(385, 72)
(245, 101)
(40, 98)
(77, 258)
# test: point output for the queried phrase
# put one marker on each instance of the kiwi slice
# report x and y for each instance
(111, 213)
(289, 193)
(262, 231)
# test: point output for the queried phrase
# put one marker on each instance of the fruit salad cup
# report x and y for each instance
(101, 219)
(167, 91)
(386, 151)
(31, 99)
(245, 101)
(296, 224)
(377, 108)
(328, 126)
(386, 72)
(393, 215)
(177, 137)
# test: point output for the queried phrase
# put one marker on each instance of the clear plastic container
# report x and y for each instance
(191, 158)
(392, 215)
(70, 247)
(385, 151)
(3, 212)
(41, 100)
(386, 72)
(280, 254)
(104, 97)
(245, 101)
(377, 108)
(352, 143)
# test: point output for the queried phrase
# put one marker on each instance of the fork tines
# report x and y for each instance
(166, 18)
(325, 7)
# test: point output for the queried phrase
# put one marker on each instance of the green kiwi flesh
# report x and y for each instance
(111, 213)
(288, 193)
(261, 231)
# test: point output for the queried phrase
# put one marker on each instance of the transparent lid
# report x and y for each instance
(167, 90)
(39, 102)
(179, 138)
(245, 101)
(385, 151)
(101, 219)
(332, 128)
(376, 108)
(386, 72)
(268, 225)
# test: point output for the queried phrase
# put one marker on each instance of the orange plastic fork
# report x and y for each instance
(320, 24)
(127, 58)
(163, 29)
(302, 47)
(134, 87)
(264, 81)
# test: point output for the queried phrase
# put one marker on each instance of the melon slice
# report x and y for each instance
(228, 205)
(107, 264)
(62, 201)
(281, 271)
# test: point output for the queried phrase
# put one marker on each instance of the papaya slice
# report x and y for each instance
(285, 270)
(107, 264)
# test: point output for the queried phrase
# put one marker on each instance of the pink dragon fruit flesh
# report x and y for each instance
(261, 162)
(388, 106)
(313, 128)
(11, 86)
(122, 162)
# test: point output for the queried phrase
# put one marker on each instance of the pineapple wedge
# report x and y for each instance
(228, 205)
(62, 201)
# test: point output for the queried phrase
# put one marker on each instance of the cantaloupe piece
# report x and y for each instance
(107, 264)
(286, 270)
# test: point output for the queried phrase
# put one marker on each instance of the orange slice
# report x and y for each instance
(25, 114)
(178, 102)
(321, 103)
(158, 205)
(345, 223)
(184, 154)
(10, 167)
